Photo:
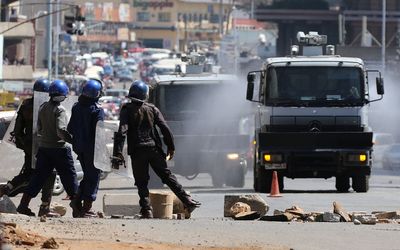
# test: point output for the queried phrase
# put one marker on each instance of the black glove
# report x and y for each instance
(117, 160)
(19, 141)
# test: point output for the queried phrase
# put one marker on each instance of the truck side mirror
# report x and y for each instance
(379, 86)
(250, 85)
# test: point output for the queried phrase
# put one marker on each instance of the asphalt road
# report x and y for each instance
(208, 227)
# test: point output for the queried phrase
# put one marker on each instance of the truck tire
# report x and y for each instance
(237, 180)
(218, 179)
(342, 183)
(255, 178)
(360, 183)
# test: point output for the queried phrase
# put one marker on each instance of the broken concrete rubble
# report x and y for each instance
(331, 217)
(255, 202)
(366, 219)
(388, 215)
(338, 209)
(239, 207)
(251, 215)
(7, 206)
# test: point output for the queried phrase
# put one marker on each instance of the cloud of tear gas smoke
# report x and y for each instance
(384, 116)
(209, 121)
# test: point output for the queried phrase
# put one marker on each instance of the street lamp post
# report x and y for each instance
(49, 39)
(383, 47)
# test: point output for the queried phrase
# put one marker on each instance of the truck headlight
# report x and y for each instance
(272, 158)
(232, 156)
(357, 158)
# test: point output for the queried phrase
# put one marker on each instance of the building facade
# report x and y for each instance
(170, 24)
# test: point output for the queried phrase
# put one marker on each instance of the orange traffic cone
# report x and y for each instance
(275, 186)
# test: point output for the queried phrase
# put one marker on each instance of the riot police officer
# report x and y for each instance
(137, 121)
(23, 140)
(82, 126)
(53, 151)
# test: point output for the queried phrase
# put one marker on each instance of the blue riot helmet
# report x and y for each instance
(139, 90)
(58, 88)
(41, 85)
(92, 89)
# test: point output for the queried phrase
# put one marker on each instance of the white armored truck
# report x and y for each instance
(312, 116)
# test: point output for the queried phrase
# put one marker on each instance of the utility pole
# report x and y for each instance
(56, 37)
(49, 39)
(383, 35)
(220, 19)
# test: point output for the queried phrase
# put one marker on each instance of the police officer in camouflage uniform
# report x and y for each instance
(137, 121)
(23, 140)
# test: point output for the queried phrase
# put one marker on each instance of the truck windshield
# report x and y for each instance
(314, 86)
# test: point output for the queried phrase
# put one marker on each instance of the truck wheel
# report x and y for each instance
(237, 180)
(264, 179)
(360, 183)
(342, 184)
(255, 179)
(218, 179)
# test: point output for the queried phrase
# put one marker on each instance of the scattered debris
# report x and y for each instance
(50, 244)
(42, 218)
(58, 208)
(239, 207)
(251, 215)
(356, 222)
(331, 217)
(388, 215)
(255, 202)
(280, 217)
(338, 209)
(367, 219)
(12, 234)
(7, 206)
(100, 214)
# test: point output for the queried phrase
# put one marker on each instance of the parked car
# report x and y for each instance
(391, 157)
(116, 92)
(111, 106)
(124, 74)
(132, 64)
(381, 142)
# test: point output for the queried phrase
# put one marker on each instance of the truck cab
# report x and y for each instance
(312, 116)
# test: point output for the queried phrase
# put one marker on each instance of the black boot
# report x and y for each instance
(76, 205)
(87, 211)
(45, 210)
(146, 213)
(4, 190)
(23, 207)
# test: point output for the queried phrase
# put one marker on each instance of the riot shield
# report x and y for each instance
(104, 144)
(12, 158)
(9, 135)
(38, 99)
